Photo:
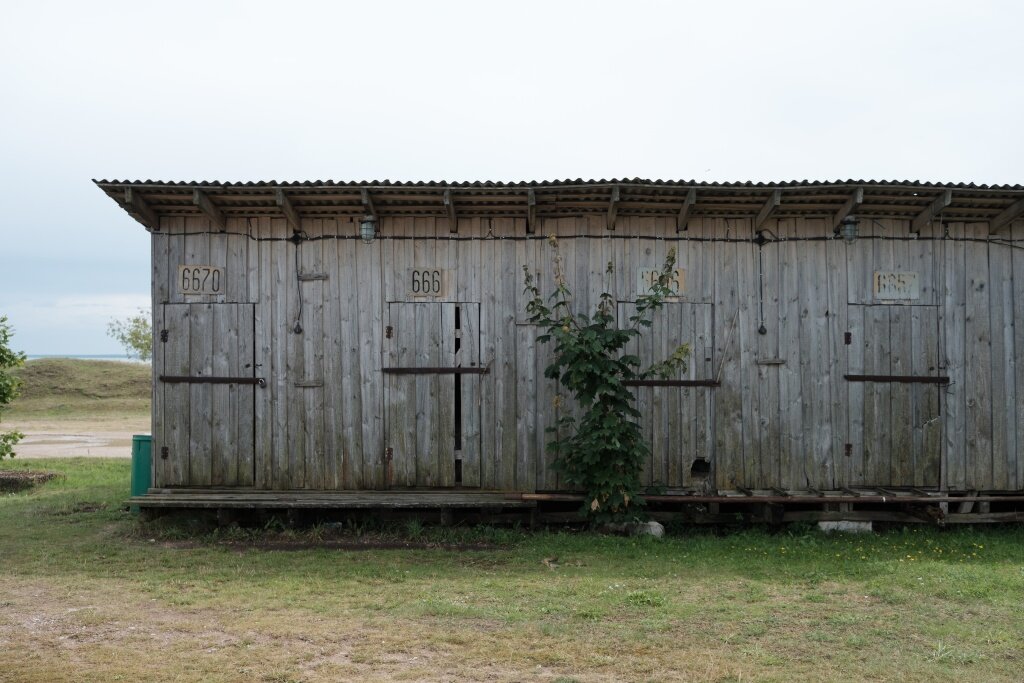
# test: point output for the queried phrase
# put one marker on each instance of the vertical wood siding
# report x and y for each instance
(769, 322)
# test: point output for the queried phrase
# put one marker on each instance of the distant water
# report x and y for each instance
(87, 356)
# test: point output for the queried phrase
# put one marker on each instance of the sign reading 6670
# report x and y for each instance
(200, 280)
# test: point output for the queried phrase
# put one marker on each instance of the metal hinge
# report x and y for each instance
(388, 331)
(164, 453)
(163, 335)
(389, 453)
(848, 338)
(848, 450)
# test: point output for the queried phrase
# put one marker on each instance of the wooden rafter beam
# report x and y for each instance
(933, 210)
(851, 206)
(613, 207)
(138, 209)
(367, 200)
(531, 211)
(684, 212)
(1007, 216)
(288, 210)
(453, 219)
(206, 205)
(768, 209)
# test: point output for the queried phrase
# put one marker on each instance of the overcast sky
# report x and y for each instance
(464, 91)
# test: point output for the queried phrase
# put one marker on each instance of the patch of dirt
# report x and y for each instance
(19, 480)
(81, 507)
(99, 437)
(348, 544)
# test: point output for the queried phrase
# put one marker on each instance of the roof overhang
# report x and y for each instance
(916, 201)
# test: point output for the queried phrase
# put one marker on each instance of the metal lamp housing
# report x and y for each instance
(368, 228)
(849, 229)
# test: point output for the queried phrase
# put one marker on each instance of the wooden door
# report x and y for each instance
(676, 420)
(894, 384)
(204, 412)
(432, 395)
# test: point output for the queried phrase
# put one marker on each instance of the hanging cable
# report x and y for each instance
(297, 240)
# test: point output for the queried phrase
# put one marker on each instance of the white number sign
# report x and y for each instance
(427, 281)
(200, 280)
(892, 286)
(646, 277)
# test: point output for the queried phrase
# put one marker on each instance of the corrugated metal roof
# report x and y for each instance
(556, 183)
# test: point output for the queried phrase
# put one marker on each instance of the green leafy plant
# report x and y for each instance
(134, 333)
(602, 451)
(9, 385)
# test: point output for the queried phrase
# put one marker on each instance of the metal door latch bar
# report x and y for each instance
(437, 371)
(185, 379)
(902, 379)
(672, 383)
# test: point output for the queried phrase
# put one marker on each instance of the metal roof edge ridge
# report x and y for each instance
(541, 184)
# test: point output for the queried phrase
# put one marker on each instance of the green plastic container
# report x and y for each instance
(142, 466)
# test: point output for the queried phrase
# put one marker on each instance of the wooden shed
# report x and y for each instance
(343, 344)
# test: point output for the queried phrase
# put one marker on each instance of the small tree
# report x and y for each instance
(604, 451)
(135, 334)
(9, 385)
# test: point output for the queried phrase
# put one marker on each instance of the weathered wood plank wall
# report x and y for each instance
(768, 321)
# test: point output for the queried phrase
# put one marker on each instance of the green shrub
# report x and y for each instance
(603, 450)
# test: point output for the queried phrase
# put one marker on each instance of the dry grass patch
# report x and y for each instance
(87, 594)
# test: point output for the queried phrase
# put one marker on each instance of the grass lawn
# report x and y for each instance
(87, 594)
(92, 390)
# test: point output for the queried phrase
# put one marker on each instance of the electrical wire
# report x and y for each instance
(299, 237)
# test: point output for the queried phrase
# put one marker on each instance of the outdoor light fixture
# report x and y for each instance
(848, 229)
(368, 228)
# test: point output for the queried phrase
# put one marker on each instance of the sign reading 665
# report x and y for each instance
(200, 279)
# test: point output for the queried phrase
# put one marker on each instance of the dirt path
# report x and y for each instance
(106, 437)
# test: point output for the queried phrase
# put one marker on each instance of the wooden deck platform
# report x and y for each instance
(253, 498)
(909, 506)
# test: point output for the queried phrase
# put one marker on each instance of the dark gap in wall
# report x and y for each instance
(700, 469)
(458, 395)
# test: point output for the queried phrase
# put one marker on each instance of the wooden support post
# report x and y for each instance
(288, 210)
(768, 209)
(851, 206)
(367, 200)
(140, 210)
(933, 210)
(449, 204)
(1007, 216)
(206, 205)
(531, 212)
(613, 207)
(968, 505)
(684, 213)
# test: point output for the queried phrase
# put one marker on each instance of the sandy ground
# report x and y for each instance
(108, 437)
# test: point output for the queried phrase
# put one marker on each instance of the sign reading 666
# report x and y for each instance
(427, 281)
(200, 280)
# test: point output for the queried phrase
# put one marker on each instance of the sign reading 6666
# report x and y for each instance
(200, 279)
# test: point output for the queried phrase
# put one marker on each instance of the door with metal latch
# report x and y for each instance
(204, 395)
(433, 383)
(894, 386)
